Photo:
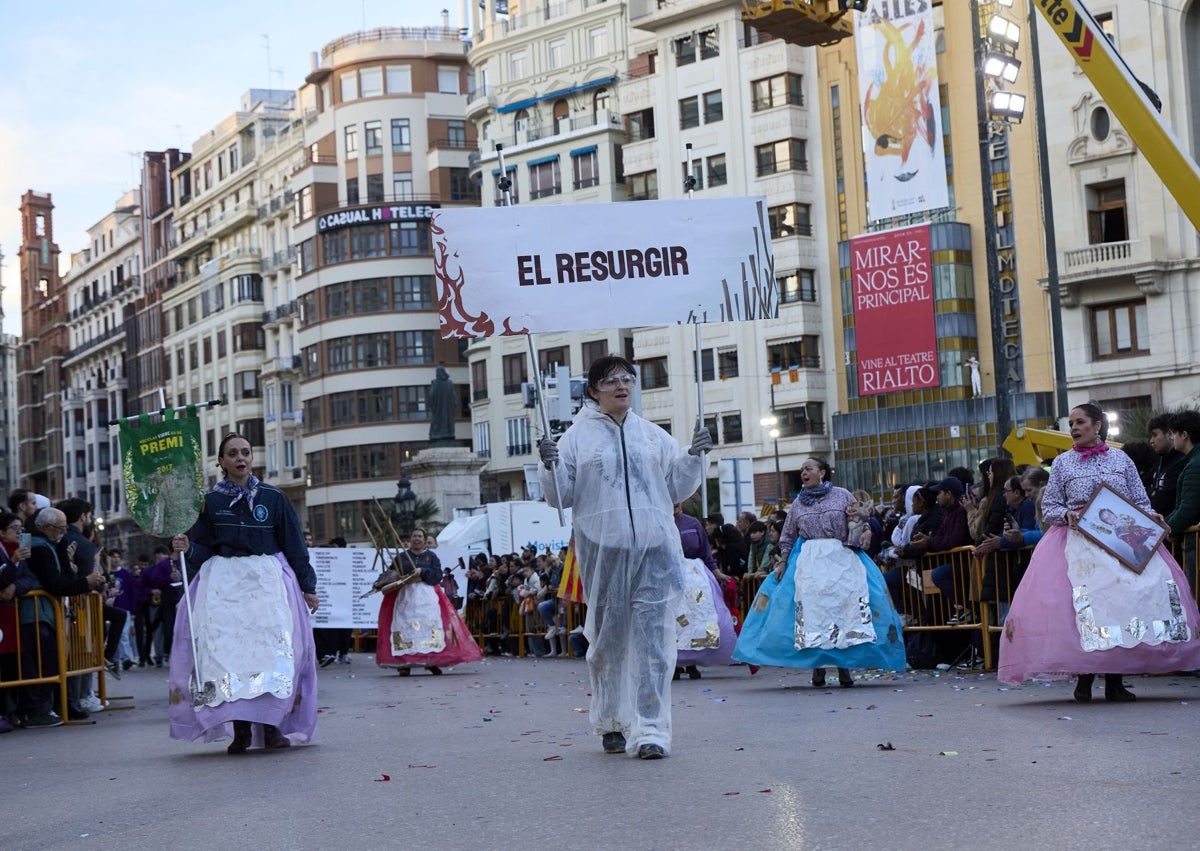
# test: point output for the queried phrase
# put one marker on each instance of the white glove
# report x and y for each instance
(548, 450)
(701, 441)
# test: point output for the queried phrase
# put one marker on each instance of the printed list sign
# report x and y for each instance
(579, 267)
(343, 576)
(892, 286)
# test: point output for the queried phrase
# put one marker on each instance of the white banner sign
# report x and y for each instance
(525, 269)
(901, 108)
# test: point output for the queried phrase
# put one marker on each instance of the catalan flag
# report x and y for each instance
(570, 587)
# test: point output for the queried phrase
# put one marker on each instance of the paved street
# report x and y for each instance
(499, 754)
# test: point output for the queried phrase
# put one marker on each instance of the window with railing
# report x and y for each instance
(689, 112)
(685, 50)
(798, 286)
(799, 353)
(479, 385)
(808, 418)
(790, 220)
(716, 170)
(714, 108)
(517, 442)
(731, 428)
(586, 169)
(515, 373)
(643, 186)
(544, 179)
(775, 91)
(781, 156)
(483, 440)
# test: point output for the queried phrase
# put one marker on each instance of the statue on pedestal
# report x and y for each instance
(442, 404)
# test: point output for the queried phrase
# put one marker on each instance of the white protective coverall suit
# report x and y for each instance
(621, 482)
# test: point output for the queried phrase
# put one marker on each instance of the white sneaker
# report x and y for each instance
(92, 703)
(549, 633)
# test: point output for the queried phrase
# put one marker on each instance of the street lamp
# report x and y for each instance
(406, 502)
(771, 423)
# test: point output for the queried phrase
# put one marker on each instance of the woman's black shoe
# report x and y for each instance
(693, 672)
(1115, 691)
(241, 737)
(844, 678)
(678, 674)
(273, 739)
(818, 678)
(1083, 688)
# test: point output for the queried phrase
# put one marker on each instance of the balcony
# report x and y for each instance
(270, 317)
(1144, 261)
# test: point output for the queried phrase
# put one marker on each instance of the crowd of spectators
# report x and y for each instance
(56, 549)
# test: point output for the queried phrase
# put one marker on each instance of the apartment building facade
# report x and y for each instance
(101, 288)
(212, 310)
(44, 347)
(693, 93)
(1128, 258)
(386, 142)
(546, 101)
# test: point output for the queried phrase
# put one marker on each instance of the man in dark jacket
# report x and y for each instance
(1165, 475)
(35, 703)
(80, 526)
(1185, 430)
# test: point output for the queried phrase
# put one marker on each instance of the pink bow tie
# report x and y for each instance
(1088, 451)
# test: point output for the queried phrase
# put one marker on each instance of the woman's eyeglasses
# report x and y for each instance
(611, 382)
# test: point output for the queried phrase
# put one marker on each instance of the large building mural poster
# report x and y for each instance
(892, 286)
(898, 95)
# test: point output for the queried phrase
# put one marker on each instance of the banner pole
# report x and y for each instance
(504, 183)
(162, 412)
(689, 183)
(545, 419)
(198, 686)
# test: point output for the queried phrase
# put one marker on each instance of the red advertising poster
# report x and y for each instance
(892, 277)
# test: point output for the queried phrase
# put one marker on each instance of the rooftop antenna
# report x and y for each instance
(267, 46)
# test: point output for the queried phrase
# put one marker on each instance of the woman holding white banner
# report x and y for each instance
(255, 659)
(825, 603)
(621, 476)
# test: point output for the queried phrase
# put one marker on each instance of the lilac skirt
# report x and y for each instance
(294, 715)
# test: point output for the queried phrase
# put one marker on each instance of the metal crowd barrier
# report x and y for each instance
(981, 589)
(78, 638)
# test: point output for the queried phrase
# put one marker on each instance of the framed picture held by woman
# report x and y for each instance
(1121, 528)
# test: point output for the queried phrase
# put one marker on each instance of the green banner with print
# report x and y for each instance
(163, 468)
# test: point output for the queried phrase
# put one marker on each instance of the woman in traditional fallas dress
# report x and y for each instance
(418, 626)
(826, 602)
(1077, 609)
(250, 608)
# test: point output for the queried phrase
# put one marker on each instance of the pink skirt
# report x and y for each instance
(1041, 640)
(460, 646)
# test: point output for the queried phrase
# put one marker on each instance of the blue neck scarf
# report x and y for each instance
(810, 495)
(228, 488)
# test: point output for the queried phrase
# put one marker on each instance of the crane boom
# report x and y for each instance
(1124, 94)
